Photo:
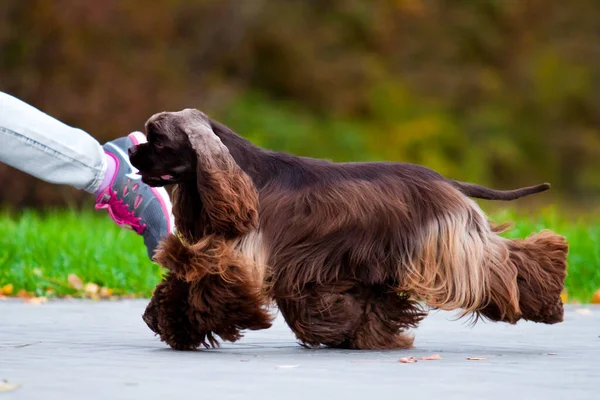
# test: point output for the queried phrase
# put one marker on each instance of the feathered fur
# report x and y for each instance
(348, 251)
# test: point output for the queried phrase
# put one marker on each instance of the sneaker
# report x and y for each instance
(131, 203)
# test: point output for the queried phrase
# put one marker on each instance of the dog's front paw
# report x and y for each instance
(150, 315)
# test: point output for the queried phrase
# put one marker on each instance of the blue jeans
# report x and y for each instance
(44, 147)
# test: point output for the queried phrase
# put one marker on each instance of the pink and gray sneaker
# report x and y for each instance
(130, 202)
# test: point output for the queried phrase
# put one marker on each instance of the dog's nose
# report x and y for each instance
(132, 150)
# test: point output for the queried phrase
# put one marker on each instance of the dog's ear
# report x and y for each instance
(228, 195)
(212, 156)
(202, 138)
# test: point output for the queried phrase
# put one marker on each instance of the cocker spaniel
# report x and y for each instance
(349, 252)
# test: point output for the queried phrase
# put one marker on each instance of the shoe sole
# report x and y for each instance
(160, 193)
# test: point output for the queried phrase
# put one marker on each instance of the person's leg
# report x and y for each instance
(46, 148)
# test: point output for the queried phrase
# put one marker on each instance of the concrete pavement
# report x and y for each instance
(103, 350)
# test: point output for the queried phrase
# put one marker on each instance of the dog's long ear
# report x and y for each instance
(190, 218)
(228, 194)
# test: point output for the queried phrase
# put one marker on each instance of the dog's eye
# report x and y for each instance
(158, 144)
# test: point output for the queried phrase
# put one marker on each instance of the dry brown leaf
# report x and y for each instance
(91, 289)
(105, 292)
(476, 358)
(36, 300)
(596, 297)
(75, 282)
(408, 360)
(433, 357)
(7, 290)
(8, 387)
(24, 294)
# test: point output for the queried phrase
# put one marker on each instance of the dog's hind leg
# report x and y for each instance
(460, 262)
(457, 261)
(540, 262)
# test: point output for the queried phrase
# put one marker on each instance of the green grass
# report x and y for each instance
(583, 234)
(39, 251)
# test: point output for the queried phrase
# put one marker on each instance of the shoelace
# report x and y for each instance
(119, 211)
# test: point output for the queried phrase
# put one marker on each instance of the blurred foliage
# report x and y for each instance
(39, 252)
(502, 92)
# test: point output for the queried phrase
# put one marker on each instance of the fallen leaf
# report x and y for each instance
(24, 294)
(91, 289)
(408, 360)
(433, 357)
(7, 290)
(105, 292)
(75, 281)
(8, 387)
(583, 311)
(476, 358)
(36, 300)
(564, 296)
(596, 297)
(94, 297)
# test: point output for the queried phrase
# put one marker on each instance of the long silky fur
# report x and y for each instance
(212, 288)
(348, 251)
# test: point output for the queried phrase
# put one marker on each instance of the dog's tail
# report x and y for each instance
(482, 192)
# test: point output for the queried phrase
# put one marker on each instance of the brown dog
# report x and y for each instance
(347, 251)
